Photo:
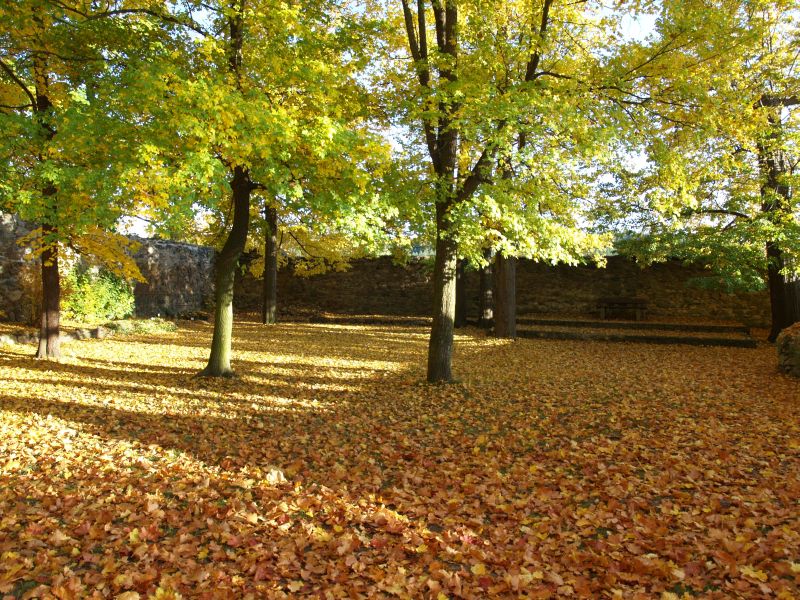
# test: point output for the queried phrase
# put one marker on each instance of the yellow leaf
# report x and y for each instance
(165, 594)
(478, 569)
(754, 573)
(295, 586)
(127, 596)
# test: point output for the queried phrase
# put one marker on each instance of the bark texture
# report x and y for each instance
(269, 312)
(50, 329)
(505, 296)
(461, 294)
(440, 345)
(219, 362)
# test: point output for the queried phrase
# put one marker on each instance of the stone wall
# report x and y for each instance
(13, 304)
(671, 289)
(369, 286)
(377, 286)
(179, 281)
(179, 278)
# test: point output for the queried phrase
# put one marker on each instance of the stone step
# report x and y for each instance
(641, 325)
(645, 338)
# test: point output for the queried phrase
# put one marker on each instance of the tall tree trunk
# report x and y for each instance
(775, 165)
(461, 294)
(485, 300)
(50, 329)
(793, 298)
(505, 297)
(779, 293)
(270, 299)
(219, 363)
(440, 346)
(49, 332)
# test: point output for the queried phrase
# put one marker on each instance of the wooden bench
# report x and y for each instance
(618, 304)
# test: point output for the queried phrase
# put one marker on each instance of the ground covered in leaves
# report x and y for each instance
(328, 469)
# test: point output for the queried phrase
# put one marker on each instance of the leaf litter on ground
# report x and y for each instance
(327, 468)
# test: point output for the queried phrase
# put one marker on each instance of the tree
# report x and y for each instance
(257, 85)
(717, 183)
(518, 105)
(57, 66)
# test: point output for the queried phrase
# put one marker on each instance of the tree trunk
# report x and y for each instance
(50, 329)
(779, 293)
(440, 346)
(461, 295)
(270, 300)
(793, 298)
(50, 332)
(485, 300)
(775, 165)
(219, 363)
(505, 297)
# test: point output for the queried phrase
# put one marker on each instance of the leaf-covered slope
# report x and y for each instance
(552, 469)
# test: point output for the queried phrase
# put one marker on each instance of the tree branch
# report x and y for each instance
(477, 175)
(533, 63)
(189, 24)
(718, 211)
(770, 101)
(10, 72)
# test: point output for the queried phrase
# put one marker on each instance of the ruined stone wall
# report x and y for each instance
(14, 306)
(377, 286)
(179, 278)
(671, 289)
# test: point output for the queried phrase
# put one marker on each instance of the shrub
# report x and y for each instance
(145, 326)
(92, 297)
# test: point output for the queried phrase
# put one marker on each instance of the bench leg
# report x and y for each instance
(602, 313)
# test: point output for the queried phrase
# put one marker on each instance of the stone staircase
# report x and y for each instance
(635, 331)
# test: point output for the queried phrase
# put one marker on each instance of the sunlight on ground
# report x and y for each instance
(327, 468)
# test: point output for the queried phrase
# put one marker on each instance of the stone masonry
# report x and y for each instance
(179, 278)
(12, 262)
(378, 286)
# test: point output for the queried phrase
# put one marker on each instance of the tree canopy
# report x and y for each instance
(523, 129)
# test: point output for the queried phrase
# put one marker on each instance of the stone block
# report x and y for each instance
(101, 333)
(82, 334)
(788, 345)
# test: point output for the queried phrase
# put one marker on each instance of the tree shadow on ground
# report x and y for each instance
(568, 458)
